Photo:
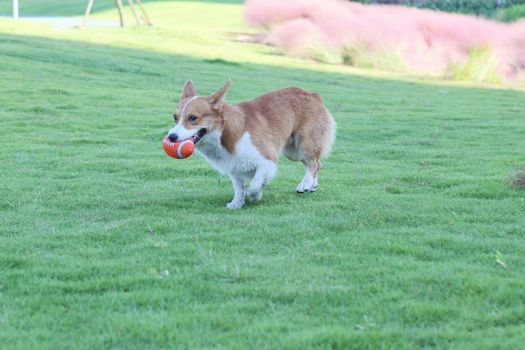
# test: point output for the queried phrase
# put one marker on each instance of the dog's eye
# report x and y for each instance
(192, 118)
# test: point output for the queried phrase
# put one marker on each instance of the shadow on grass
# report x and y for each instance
(110, 58)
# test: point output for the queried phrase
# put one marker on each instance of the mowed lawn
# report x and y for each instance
(415, 238)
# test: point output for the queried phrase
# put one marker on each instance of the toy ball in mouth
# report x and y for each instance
(179, 149)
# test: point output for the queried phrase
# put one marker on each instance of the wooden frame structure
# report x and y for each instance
(120, 7)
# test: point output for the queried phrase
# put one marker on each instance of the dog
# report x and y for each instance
(244, 140)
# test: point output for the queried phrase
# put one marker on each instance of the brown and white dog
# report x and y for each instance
(245, 140)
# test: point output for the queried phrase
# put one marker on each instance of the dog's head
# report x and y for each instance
(197, 115)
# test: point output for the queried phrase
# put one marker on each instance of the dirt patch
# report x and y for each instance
(519, 180)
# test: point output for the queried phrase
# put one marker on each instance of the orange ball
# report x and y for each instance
(179, 149)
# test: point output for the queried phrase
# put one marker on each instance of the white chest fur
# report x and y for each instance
(243, 163)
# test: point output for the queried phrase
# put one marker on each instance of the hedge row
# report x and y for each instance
(487, 8)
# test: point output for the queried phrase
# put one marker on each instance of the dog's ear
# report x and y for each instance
(188, 90)
(217, 99)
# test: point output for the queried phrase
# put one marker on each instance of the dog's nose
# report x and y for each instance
(173, 137)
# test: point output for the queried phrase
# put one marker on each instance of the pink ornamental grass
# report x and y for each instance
(394, 37)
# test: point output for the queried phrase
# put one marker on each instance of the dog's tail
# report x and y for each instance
(328, 137)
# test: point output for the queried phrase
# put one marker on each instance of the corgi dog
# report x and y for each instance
(244, 140)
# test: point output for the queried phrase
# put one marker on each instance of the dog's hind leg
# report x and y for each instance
(310, 157)
(238, 197)
(263, 175)
(314, 140)
(309, 182)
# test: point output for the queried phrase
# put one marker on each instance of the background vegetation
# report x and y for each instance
(394, 38)
(511, 14)
(487, 8)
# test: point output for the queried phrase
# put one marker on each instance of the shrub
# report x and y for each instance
(481, 65)
(511, 14)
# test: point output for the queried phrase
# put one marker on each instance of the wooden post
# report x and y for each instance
(144, 14)
(132, 6)
(88, 11)
(15, 9)
(120, 12)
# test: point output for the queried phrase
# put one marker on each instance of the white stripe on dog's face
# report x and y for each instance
(179, 129)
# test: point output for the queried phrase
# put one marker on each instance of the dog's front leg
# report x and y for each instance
(262, 176)
(238, 197)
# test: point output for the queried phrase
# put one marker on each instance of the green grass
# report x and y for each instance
(72, 7)
(56, 7)
(415, 238)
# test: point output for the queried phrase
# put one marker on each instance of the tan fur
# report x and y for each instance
(290, 119)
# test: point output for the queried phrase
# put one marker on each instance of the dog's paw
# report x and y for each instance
(235, 204)
(306, 186)
(254, 196)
